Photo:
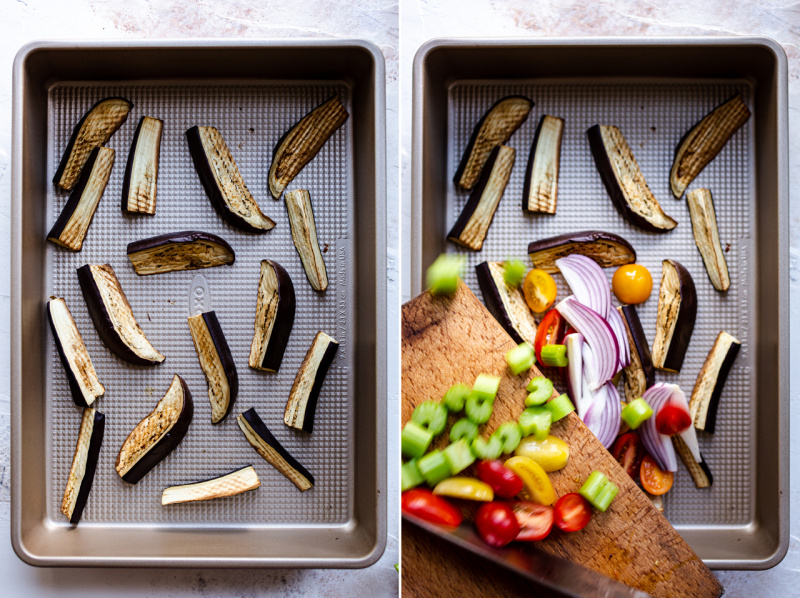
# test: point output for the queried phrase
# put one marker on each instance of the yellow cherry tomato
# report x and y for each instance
(536, 486)
(551, 453)
(466, 488)
(539, 289)
(632, 284)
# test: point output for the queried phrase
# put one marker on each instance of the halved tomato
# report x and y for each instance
(672, 419)
(535, 520)
(539, 290)
(572, 512)
(629, 451)
(426, 505)
(550, 332)
(654, 479)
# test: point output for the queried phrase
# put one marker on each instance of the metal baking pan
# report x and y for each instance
(655, 90)
(253, 91)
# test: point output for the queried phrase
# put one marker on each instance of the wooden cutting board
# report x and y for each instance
(453, 339)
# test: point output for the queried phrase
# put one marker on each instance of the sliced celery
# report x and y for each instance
(459, 456)
(431, 415)
(560, 407)
(509, 435)
(463, 428)
(487, 451)
(541, 389)
(513, 272)
(415, 440)
(636, 412)
(554, 356)
(410, 476)
(434, 467)
(443, 274)
(520, 358)
(535, 421)
(455, 397)
(478, 410)
(486, 386)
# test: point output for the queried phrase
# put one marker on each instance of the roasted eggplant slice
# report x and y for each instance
(506, 303)
(472, 225)
(700, 472)
(186, 250)
(706, 237)
(304, 235)
(217, 363)
(607, 249)
(261, 439)
(540, 191)
(234, 483)
(93, 130)
(624, 182)
(274, 317)
(677, 309)
(302, 403)
(112, 316)
(223, 182)
(303, 141)
(83, 381)
(493, 129)
(84, 464)
(708, 387)
(704, 141)
(73, 223)
(139, 186)
(640, 374)
(158, 434)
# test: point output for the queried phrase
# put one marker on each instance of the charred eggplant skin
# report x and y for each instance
(639, 344)
(225, 358)
(721, 376)
(589, 243)
(319, 377)
(493, 302)
(526, 186)
(282, 329)
(684, 326)
(258, 426)
(93, 455)
(126, 179)
(179, 238)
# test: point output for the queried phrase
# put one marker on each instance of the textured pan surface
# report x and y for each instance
(653, 117)
(252, 118)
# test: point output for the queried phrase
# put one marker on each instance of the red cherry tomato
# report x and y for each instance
(550, 332)
(672, 419)
(426, 505)
(504, 482)
(535, 520)
(654, 479)
(629, 452)
(496, 524)
(572, 512)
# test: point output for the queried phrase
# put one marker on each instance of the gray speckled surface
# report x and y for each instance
(27, 20)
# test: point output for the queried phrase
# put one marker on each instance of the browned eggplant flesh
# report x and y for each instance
(640, 373)
(237, 482)
(607, 249)
(84, 464)
(473, 224)
(677, 310)
(275, 308)
(266, 445)
(304, 141)
(83, 381)
(700, 472)
(302, 404)
(540, 191)
(217, 363)
(140, 183)
(158, 434)
(304, 235)
(186, 250)
(495, 128)
(92, 131)
(506, 303)
(706, 237)
(113, 317)
(707, 392)
(73, 223)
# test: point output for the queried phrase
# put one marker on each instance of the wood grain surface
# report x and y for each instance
(453, 339)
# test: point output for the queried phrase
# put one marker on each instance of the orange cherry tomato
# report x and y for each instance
(632, 284)
(654, 479)
(539, 289)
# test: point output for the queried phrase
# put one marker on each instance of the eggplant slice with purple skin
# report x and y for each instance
(708, 388)
(140, 184)
(186, 250)
(93, 130)
(506, 303)
(302, 404)
(83, 381)
(217, 363)
(494, 128)
(700, 472)
(84, 464)
(473, 224)
(304, 235)
(607, 249)
(158, 434)
(640, 374)
(261, 439)
(73, 223)
(677, 310)
(223, 182)
(304, 141)
(237, 482)
(540, 190)
(701, 144)
(706, 237)
(624, 181)
(274, 317)
(113, 317)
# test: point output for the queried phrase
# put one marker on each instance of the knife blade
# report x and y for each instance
(543, 569)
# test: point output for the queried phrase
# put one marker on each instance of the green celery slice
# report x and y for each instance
(410, 475)
(509, 435)
(605, 497)
(464, 428)
(593, 486)
(459, 456)
(478, 410)
(520, 358)
(455, 397)
(541, 389)
(444, 272)
(488, 451)
(560, 407)
(415, 440)
(535, 421)
(636, 413)
(486, 386)
(434, 467)
(554, 356)
(513, 272)
(432, 416)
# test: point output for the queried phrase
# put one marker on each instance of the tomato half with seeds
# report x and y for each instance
(535, 520)
(672, 419)
(572, 513)
(539, 290)
(550, 332)
(426, 505)
(654, 479)
(629, 451)
(496, 523)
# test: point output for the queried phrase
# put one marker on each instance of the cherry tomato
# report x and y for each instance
(629, 452)
(496, 523)
(550, 332)
(503, 481)
(426, 505)
(654, 479)
(539, 289)
(672, 419)
(535, 521)
(632, 283)
(572, 512)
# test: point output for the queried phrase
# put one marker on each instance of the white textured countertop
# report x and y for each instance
(26, 20)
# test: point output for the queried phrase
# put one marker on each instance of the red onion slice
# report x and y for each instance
(658, 445)
(615, 321)
(597, 334)
(574, 343)
(603, 415)
(588, 282)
